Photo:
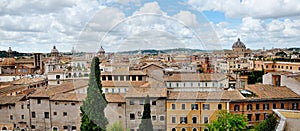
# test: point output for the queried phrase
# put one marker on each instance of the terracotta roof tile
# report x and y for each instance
(216, 95)
(196, 77)
(271, 92)
(68, 97)
(144, 91)
(115, 97)
(10, 99)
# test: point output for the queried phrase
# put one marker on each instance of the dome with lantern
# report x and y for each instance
(238, 44)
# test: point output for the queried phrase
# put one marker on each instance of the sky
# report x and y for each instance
(120, 25)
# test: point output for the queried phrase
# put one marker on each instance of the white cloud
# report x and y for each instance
(250, 8)
(150, 8)
(187, 18)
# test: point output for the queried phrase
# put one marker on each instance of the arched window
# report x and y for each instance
(4, 128)
(173, 129)
(236, 107)
(54, 129)
(183, 129)
(195, 129)
(206, 129)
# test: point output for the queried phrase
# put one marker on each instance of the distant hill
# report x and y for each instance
(166, 51)
(3, 54)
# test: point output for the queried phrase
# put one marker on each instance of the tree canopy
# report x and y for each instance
(227, 121)
(93, 118)
(146, 124)
(269, 124)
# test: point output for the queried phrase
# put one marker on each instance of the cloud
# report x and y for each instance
(150, 8)
(250, 8)
(187, 18)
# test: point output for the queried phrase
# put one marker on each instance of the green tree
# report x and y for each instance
(269, 124)
(227, 121)
(116, 127)
(93, 118)
(146, 124)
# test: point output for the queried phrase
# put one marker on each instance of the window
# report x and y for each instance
(291, 67)
(257, 106)
(295, 106)
(183, 106)
(73, 104)
(119, 104)
(205, 106)
(194, 119)
(173, 119)
(205, 84)
(281, 105)
(236, 107)
(183, 129)
(119, 90)
(140, 78)
(265, 115)
(33, 114)
(194, 106)
(133, 78)
(22, 106)
(65, 127)
(298, 68)
(32, 126)
(183, 120)
(103, 78)
(173, 129)
(286, 67)
(274, 105)
(266, 106)
(11, 117)
(54, 113)
(161, 118)
(116, 78)
(132, 116)
(22, 116)
(153, 102)
(46, 115)
(219, 106)
(112, 90)
(109, 78)
(249, 116)
(39, 101)
(177, 84)
(173, 106)
(131, 102)
(142, 102)
(257, 117)
(153, 118)
(205, 120)
(73, 128)
(194, 129)
(54, 129)
(65, 113)
(249, 107)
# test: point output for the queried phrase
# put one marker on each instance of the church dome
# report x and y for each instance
(8, 62)
(101, 50)
(54, 50)
(238, 44)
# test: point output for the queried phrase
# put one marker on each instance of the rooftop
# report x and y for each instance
(196, 77)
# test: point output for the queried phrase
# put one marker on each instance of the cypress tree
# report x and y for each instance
(93, 118)
(146, 124)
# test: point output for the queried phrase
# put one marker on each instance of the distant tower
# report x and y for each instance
(10, 53)
(38, 60)
(54, 52)
(73, 51)
(101, 53)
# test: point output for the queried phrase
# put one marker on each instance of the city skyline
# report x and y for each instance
(36, 26)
